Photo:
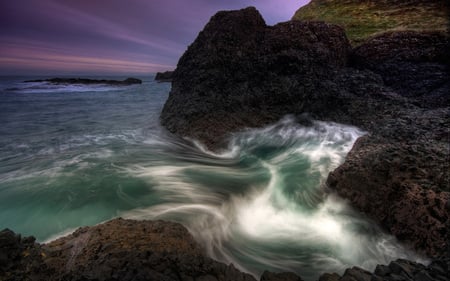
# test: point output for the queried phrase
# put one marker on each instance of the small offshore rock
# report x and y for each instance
(166, 76)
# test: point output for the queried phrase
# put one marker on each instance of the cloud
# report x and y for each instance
(145, 34)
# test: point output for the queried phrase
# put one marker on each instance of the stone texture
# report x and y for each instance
(157, 250)
(116, 250)
(240, 73)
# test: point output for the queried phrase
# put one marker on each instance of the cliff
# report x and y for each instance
(365, 18)
(241, 73)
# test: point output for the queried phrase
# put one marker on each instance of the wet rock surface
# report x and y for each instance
(240, 73)
(156, 250)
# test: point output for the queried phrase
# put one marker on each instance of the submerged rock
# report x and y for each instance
(84, 81)
(240, 73)
(155, 250)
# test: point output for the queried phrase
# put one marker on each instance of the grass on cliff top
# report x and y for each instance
(363, 19)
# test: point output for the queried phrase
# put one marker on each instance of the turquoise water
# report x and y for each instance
(78, 155)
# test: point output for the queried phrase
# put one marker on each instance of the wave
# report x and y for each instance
(262, 204)
(46, 87)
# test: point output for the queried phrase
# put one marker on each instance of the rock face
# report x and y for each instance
(240, 73)
(116, 250)
(164, 76)
(83, 81)
(244, 71)
(155, 250)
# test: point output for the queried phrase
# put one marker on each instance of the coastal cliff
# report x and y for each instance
(241, 73)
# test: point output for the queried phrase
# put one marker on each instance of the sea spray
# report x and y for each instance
(72, 158)
(262, 205)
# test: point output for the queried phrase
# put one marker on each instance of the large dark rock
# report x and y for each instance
(240, 73)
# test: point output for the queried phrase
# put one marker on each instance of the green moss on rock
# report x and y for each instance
(363, 19)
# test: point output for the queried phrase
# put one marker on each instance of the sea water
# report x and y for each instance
(76, 155)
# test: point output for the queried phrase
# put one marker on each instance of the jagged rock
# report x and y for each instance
(240, 73)
(164, 76)
(283, 276)
(116, 250)
(157, 250)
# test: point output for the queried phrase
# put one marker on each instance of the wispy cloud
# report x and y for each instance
(132, 35)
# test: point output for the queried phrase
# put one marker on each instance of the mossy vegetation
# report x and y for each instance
(363, 19)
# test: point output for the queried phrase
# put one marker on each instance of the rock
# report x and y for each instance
(329, 277)
(241, 73)
(20, 258)
(157, 250)
(356, 273)
(164, 76)
(395, 86)
(116, 250)
(382, 270)
(83, 81)
(414, 64)
(283, 276)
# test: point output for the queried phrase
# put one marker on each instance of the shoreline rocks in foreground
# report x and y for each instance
(241, 73)
(85, 81)
(156, 250)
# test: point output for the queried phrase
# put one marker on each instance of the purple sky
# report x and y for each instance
(110, 36)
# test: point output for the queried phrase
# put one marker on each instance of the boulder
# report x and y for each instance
(240, 73)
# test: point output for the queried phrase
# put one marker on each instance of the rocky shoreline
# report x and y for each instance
(156, 250)
(395, 86)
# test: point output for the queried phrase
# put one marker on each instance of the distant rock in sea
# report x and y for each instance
(164, 76)
(84, 81)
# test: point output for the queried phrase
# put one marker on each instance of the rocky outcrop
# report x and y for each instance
(84, 81)
(116, 250)
(155, 250)
(164, 76)
(240, 73)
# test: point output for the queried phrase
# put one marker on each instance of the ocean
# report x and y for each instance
(78, 155)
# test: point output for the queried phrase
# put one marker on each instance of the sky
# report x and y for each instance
(44, 37)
